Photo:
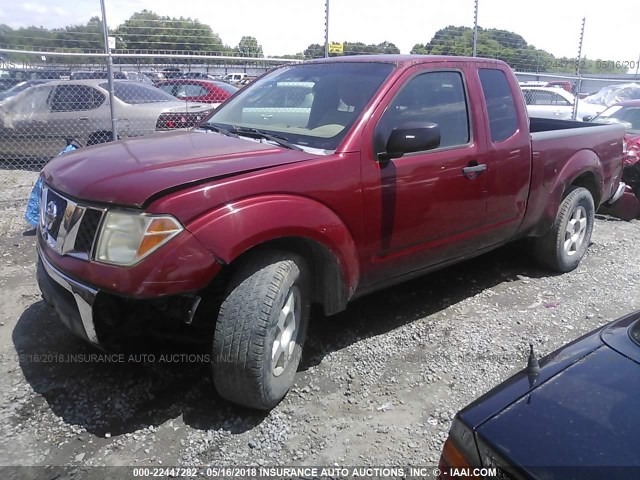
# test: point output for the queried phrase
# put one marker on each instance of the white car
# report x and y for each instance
(552, 102)
(548, 102)
(608, 96)
(37, 121)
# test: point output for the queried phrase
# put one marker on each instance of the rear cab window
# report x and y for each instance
(501, 106)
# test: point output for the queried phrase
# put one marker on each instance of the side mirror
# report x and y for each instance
(411, 137)
(587, 118)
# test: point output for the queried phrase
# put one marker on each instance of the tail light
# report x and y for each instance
(170, 121)
(459, 451)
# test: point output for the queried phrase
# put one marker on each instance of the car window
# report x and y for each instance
(501, 107)
(558, 99)
(634, 332)
(136, 93)
(226, 87)
(312, 105)
(71, 98)
(433, 97)
(167, 88)
(618, 113)
(195, 91)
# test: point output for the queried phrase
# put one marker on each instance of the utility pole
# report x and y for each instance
(326, 29)
(578, 74)
(475, 27)
(107, 50)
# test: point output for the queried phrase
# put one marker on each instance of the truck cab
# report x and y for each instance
(318, 183)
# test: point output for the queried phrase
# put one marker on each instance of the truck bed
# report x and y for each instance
(565, 145)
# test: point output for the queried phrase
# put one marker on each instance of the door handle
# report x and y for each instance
(472, 171)
(84, 119)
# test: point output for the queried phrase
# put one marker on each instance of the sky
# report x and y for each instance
(289, 26)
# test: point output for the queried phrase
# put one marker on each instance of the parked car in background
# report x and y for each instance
(117, 74)
(608, 96)
(627, 114)
(380, 168)
(234, 78)
(573, 415)
(19, 87)
(548, 102)
(13, 76)
(565, 85)
(172, 72)
(36, 122)
(194, 90)
(533, 83)
(198, 75)
(154, 76)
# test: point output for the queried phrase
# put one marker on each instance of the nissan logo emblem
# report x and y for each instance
(50, 215)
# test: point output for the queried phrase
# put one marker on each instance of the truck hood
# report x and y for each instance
(129, 172)
(585, 415)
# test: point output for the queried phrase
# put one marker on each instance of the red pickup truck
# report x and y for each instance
(318, 183)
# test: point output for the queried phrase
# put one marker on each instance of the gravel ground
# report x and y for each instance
(379, 383)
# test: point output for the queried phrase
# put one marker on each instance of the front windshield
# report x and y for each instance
(311, 105)
(627, 116)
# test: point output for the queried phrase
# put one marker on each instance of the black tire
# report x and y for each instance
(247, 327)
(99, 137)
(550, 249)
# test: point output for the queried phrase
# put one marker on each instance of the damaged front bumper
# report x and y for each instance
(72, 300)
(105, 319)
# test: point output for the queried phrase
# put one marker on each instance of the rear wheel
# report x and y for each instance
(261, 329)
(563, 247)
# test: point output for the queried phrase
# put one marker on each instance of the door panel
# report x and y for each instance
(422, 209)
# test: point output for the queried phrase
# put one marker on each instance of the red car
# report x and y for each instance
(193, 90)
(628, 114)
(568, 86)
(317, 183)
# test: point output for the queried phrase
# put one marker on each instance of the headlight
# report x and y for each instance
(126, 238)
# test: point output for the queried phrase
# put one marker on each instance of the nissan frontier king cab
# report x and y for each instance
(318, 183)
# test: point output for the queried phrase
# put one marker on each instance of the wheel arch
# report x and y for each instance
(287, 223)
(328, 287)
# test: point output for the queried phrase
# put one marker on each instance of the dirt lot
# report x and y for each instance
(379, 383)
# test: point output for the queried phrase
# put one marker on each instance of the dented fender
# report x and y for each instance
(232, 229)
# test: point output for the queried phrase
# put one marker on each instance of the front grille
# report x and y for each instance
(88, 230)
(68, 227)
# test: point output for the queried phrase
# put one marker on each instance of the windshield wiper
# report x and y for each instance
(216, 128)
(255, 133)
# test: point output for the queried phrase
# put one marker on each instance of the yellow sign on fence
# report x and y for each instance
(336, 47)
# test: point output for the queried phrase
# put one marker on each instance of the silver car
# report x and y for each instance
(36, 122)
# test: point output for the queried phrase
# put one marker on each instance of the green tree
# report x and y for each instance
(315, 50)
(146, 30)
(249, 47)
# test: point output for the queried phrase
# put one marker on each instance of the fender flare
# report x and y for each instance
(233, 229)
(584, 169)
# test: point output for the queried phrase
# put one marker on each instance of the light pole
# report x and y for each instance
(475, 27)
(326, 29)
(107, 50)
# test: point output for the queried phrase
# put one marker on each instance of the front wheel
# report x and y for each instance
(563, 247)
(261, 329)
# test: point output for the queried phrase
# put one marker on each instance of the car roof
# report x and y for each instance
(559, 91)
(629, 103)
(93, 82)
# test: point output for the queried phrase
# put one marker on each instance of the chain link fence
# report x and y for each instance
(46, 109)
(169, 73)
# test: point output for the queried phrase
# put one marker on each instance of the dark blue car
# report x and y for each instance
(575, 415)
